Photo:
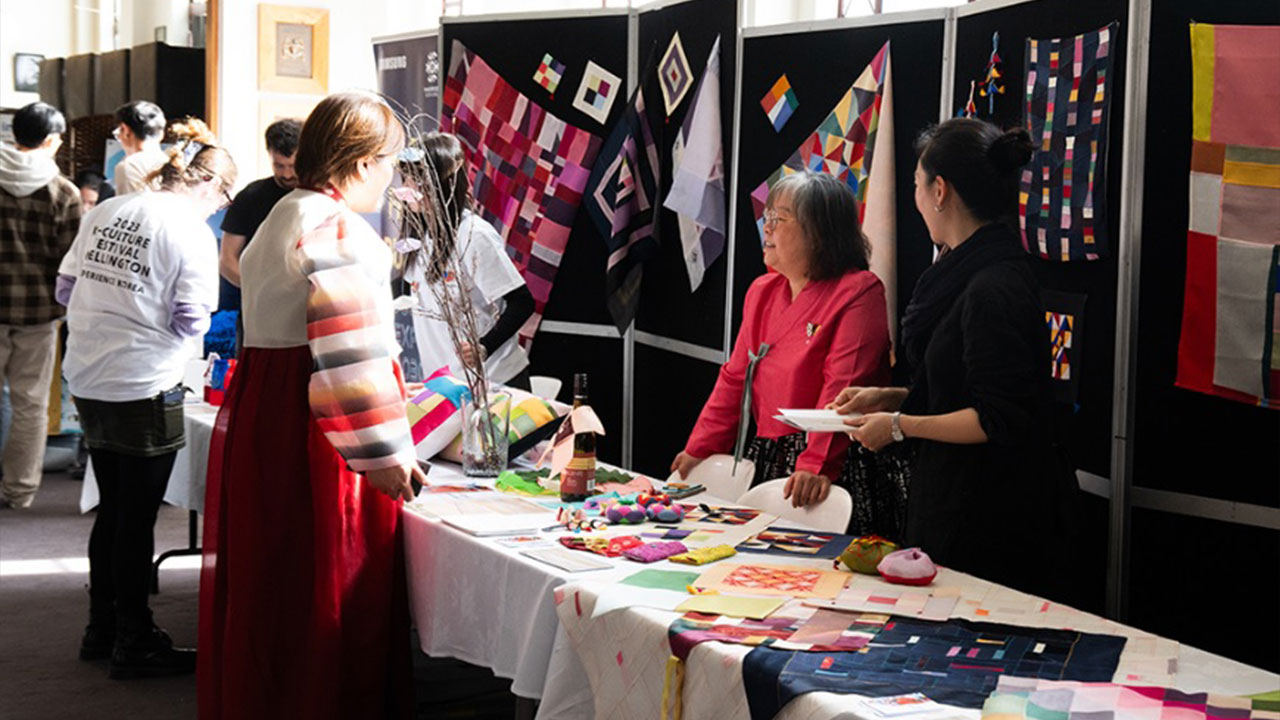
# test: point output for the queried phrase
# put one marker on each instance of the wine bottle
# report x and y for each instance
(578, 479)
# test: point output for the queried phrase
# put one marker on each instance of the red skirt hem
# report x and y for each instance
(303, 599)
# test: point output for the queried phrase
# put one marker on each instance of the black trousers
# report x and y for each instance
(122, 543)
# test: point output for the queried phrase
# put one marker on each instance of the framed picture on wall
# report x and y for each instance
(26, 72)
(293, 49)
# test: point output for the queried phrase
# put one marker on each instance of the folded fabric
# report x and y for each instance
(908, 567)
(609, 547)
(702, 556)
(655, 551)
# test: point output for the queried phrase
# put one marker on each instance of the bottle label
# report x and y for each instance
(579, 476)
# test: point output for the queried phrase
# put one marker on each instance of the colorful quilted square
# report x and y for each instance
(549, 73)
(530, 169)
(780, 103)
(674, 76)
(843, 144)
(434, 417)
(1062, 199)
(597, 91)
(1063, 314)
(1230, 341)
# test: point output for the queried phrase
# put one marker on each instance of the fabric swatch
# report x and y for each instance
(780, 103)
(674, 76)
(596, 93)
(549, 73)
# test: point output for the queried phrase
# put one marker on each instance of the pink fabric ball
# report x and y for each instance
(911, 566)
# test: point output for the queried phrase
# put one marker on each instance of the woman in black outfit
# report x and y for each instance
(990, 492)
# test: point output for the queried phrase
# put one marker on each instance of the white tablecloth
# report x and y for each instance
(187, 482)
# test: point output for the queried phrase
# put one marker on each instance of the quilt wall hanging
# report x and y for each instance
(529, 168)
(956, 662)
(843, 144)
(697, 194)
(1230, 343)
(1062, 202)
(1063, 313)
(621, 199)
(856, 131)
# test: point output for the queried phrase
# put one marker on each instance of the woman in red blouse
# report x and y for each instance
(817, 323)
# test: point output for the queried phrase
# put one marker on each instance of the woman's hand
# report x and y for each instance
(395, 482)
(867, 400)
(684, 464)
(874, 431)
(472, 356)
(413, 389)
(806, 488)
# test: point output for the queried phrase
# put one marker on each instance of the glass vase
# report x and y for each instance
(485, 439)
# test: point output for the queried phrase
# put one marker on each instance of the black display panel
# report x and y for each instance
(667, 307)
(820, 67)
(1086, 427)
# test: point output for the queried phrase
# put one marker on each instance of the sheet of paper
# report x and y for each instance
(524, 542)
(674, 580)
(613, 596)
(732, 605)
(490, 525)
(820, 421)
(440, 504)
(566, 559)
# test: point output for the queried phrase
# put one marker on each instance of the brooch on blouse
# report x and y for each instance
(811, 329)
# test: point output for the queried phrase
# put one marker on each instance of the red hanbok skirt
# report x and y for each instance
(303, 602)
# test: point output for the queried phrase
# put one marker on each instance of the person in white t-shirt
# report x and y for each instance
(139, 128)
(498, 291)
(139, 282)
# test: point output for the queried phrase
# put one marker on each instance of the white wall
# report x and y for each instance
(140, 18)
(352, 27)
(44, 27)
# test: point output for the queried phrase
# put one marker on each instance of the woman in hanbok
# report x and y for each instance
(303, 607)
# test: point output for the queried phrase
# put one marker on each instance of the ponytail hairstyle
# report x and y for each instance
(194, 159)
(979, 160)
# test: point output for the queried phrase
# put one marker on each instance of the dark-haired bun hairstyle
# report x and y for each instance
(1011, 150)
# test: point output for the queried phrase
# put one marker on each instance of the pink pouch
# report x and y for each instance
(655, 551)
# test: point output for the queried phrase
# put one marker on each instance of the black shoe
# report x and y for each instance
(97, 643)
(149, 654)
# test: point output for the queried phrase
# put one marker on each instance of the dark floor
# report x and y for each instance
(43, 613)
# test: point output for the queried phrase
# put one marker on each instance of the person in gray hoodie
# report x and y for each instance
(39, 216)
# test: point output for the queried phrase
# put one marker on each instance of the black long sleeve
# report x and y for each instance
(519, 306)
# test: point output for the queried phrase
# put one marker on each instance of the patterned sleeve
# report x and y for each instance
(356, 391)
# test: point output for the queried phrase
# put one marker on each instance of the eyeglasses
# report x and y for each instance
(771, 219)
